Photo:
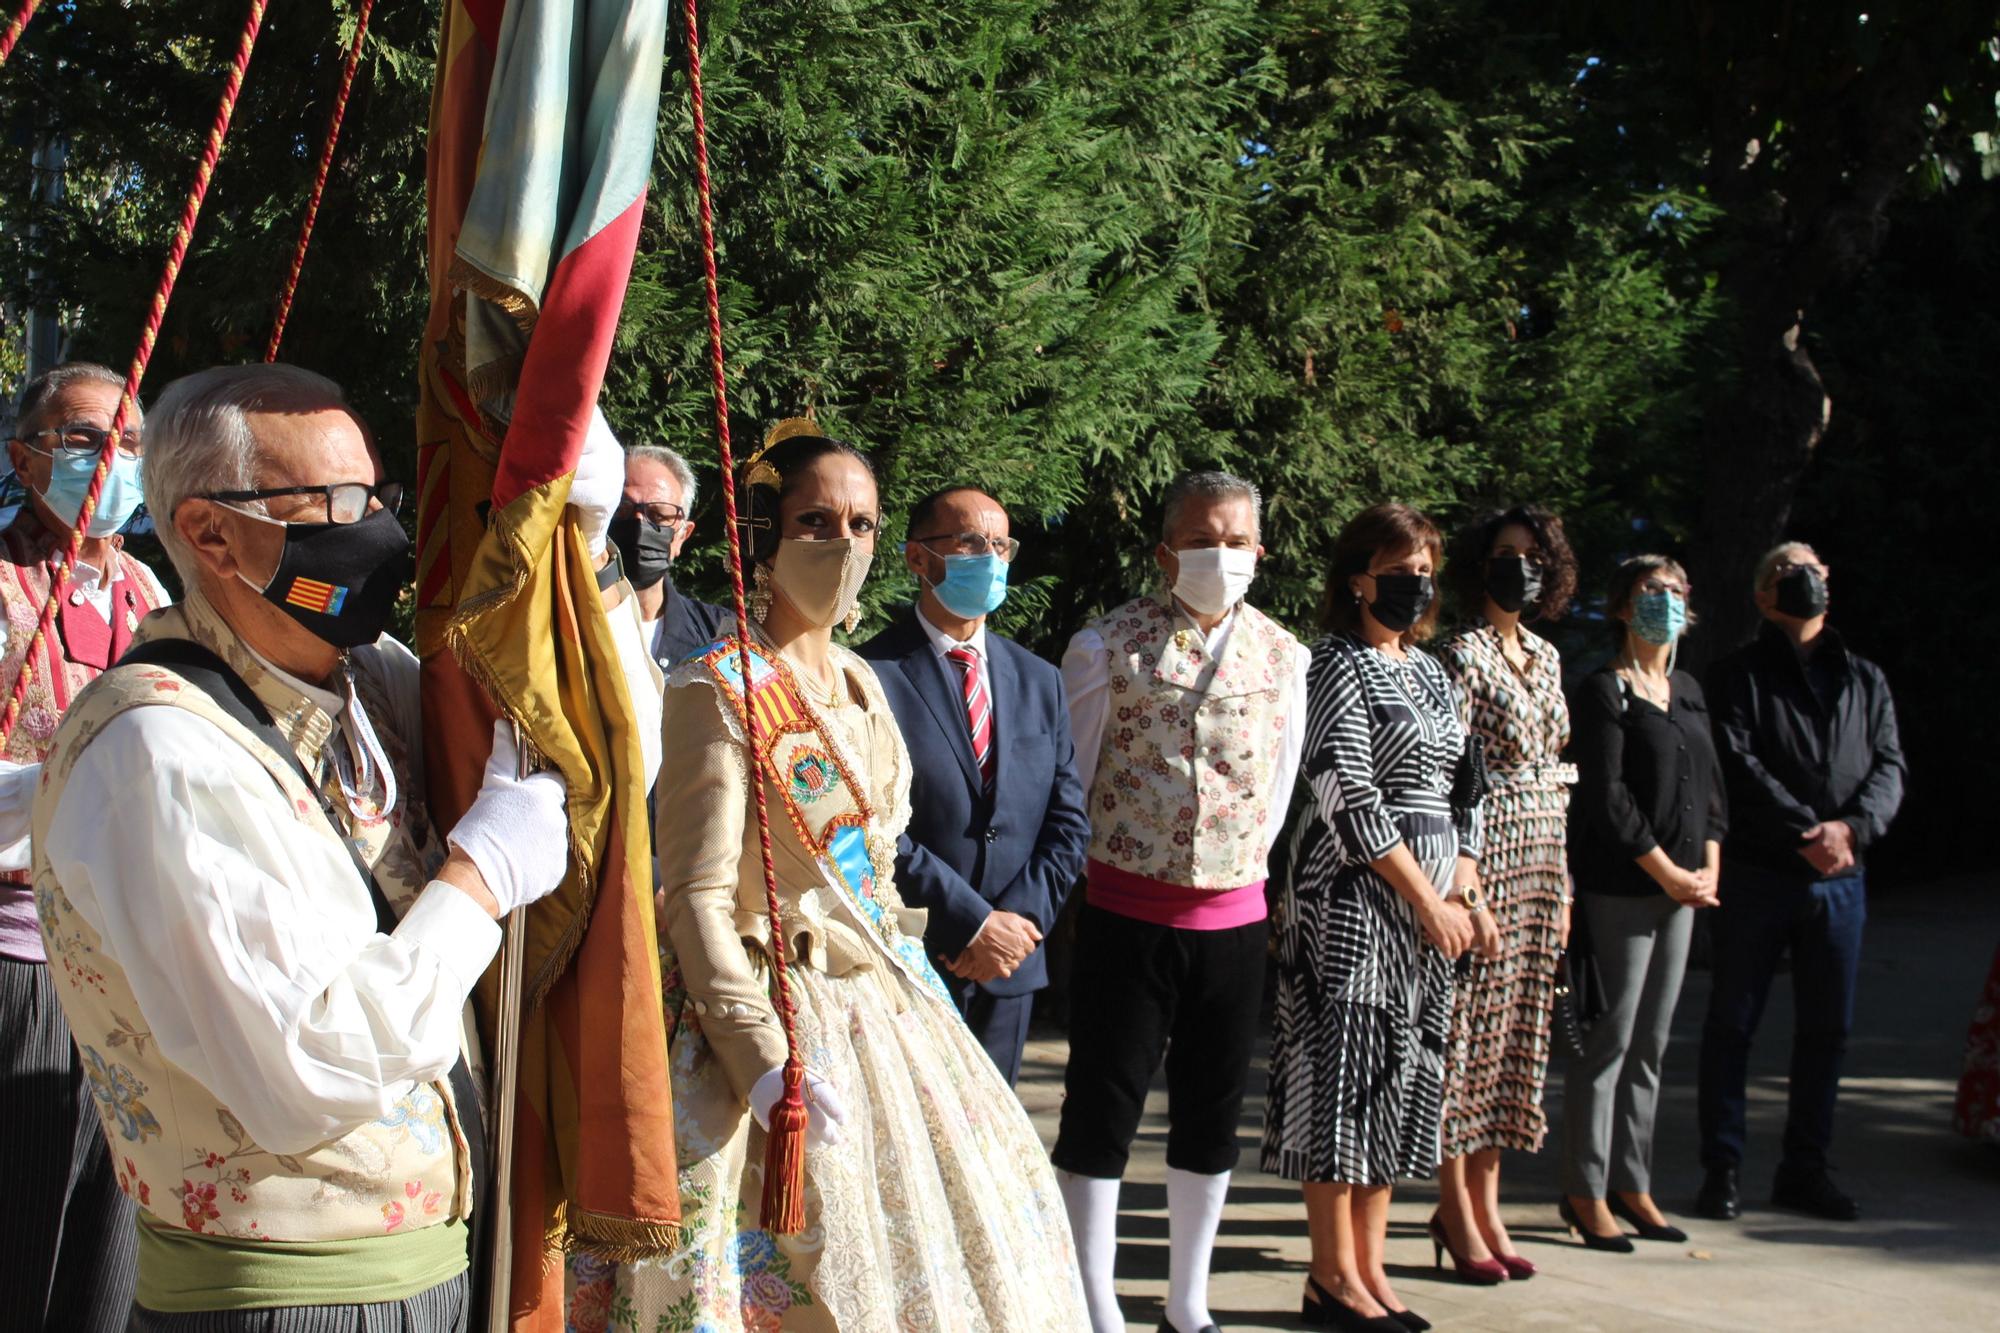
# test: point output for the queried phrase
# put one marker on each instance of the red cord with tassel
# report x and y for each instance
(784, 1202)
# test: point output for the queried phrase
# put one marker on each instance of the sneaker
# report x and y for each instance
(1719, 1200)
(1811, 1190)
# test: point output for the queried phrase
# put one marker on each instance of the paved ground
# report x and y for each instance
(1926, 1255)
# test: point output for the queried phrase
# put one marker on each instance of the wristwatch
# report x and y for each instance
(1472, 897)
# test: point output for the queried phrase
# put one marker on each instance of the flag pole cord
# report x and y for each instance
(783, 1204)
(319, 179)
(12, 32)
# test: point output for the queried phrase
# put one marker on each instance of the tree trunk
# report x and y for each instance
(1761, 438)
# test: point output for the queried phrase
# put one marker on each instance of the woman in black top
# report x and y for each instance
(1646, 832)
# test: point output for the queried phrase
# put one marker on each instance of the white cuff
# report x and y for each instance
(447, 922)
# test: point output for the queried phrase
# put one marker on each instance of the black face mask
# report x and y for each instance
(646, 550)
(1513, 582)
(1400, 600)
(1801, 594)
(339, 580)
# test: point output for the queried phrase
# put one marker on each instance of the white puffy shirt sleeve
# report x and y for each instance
(1086, 674)
(251, 950)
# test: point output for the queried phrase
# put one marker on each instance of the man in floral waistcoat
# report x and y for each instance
(70, 1266)
(265, 956)
(1188, 711)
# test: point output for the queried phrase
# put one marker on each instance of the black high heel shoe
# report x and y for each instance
(1615, 1243)
(1320, 1308)
(1647, 1231)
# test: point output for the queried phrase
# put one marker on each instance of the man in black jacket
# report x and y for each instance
(1807, 735)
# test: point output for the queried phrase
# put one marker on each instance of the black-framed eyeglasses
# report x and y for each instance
(77, 440)
(344, 501)
(973, 543)
(658, 513)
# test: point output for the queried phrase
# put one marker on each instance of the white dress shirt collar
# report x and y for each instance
(944, 643)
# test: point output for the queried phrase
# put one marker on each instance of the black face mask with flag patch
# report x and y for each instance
(339, 580)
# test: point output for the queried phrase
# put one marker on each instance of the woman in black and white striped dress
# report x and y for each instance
(1383, 898)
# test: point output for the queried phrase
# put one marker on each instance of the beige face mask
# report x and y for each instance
(822, 580)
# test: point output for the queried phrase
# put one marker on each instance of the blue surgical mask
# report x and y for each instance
(973, 585)
(1659, 617)
(69, 481)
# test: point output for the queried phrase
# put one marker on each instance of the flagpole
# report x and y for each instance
(506, 1086)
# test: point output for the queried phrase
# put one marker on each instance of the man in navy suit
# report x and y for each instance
(997, 829)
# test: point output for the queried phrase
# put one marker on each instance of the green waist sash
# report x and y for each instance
(183, 1271)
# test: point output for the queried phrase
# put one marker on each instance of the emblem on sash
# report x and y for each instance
(827, 807)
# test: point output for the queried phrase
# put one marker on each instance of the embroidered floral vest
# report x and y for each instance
(1184, 775)
(178, 1151)
(84, 643)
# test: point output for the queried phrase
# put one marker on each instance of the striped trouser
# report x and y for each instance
(67, 1261)
(442, 1309)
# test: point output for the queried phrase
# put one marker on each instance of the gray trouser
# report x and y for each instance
(1612, 1091)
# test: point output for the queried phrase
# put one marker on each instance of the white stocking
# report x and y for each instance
(1092, 1202)
(1194, 1212)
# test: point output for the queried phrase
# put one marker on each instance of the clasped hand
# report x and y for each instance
(1829, 846)
(998, 950)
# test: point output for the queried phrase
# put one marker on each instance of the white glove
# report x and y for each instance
(517, 831)
(17, 808)
(598, 485)
(824, 1113)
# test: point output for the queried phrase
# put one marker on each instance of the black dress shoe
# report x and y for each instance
(1322, 1309)
(1811, 1190)
(1167, 1326)
(1720, 1200)
(1410, 1320)
(1647, 1231)
(1615, 1243)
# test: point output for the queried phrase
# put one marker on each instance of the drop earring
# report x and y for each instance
(760, 596)
(853, 619)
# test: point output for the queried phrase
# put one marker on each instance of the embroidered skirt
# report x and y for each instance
(1498, 1058)
(937, 1209)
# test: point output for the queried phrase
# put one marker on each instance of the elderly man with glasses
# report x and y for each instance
(261, 942)
(997, 828)
(71, 1265)
(1807, 734)
(653, 523)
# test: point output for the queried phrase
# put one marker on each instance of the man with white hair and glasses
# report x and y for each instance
(1807, 735)
(653, 522)
(71, 1265)
(266, 955)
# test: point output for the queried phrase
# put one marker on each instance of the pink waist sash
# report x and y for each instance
(1177, 905)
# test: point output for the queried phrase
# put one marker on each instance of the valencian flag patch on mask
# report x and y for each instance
(313, 595)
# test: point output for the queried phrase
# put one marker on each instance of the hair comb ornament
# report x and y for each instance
(757, 472)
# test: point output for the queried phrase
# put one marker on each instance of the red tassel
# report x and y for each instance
(785, 1157)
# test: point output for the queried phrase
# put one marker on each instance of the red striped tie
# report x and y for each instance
(978, 711)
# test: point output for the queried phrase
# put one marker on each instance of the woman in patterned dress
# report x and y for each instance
(1513, 567)
(929, 1200)
(1382, 898)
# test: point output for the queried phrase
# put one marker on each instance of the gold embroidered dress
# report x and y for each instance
(937, 1208)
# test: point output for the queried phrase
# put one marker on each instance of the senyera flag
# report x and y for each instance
(541, 140)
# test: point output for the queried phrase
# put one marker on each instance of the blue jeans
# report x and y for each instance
(1761, 916)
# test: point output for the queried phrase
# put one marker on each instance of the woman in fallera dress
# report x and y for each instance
(929, 1201)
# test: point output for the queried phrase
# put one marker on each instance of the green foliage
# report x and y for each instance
(133, 89)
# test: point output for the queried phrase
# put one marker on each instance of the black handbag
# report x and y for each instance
(1579, 991)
